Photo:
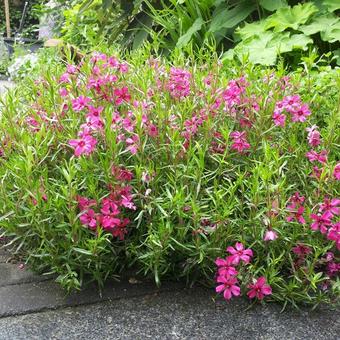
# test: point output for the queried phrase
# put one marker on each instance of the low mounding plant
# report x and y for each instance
(200, 170)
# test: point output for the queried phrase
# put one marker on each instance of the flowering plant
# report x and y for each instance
(114, 163)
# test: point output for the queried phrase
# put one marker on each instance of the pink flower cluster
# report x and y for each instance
(293, 105)
(239, 142)
(179, 83)
(329, 209)
(227, 274)
(110, 208)
(296, 208)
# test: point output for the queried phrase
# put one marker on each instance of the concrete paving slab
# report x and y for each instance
(12, 274)
(186, 314)
(32, 297)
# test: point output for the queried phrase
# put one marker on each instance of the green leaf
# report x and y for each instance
(319, 24)
(272, 5)
(332, 5)
(291, 17)
(229, 18)
(332, 33)
(249, 30)
(186, 37)
(336, 54)
(286, 42)
(258, 49)
(82, 251)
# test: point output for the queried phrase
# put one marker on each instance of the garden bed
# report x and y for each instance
(185, 169)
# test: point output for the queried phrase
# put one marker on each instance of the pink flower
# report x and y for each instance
(179, 83)
(110, 222)
(301, 113)
(84, 202)
(336, 172)
(331, 206)
(279, 119)
(152, 130)
(259, 289)
(270, 235)
(296, 214)
(80, 103)
(109, 207)
(71, 69)
(239, 253)
(121, 174)
(63, 92)
(301, 250)
(239, 141)
(225, 267)
(321, 222)
(85, 145)
(291, 103)
(314, 156)
(122, 95)
(89, 219)
(313, 136)
(334, 234)
(228, 286)
(127, 202)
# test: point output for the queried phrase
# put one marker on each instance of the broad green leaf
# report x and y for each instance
(319, 24)
(332, 5)
(258, 49)
(332, 33)
(291, 17)
(336, 54)
(229, 18)
(229, 55)
(273, 5)
(284, 42)
(185, 38)
(249, 30)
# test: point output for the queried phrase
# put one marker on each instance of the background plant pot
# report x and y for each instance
(27, 44)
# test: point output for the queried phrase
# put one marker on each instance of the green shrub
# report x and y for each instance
(161, 166)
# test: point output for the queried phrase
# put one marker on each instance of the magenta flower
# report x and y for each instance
(296, 214)
(85, 145)
(225, 267)
(228, 287)
(84, 202)
(122, 95)
(89, 219)
(319, 157)
(80, 103)
(336, 172)
(279, 118)
(334, 233)
(321, 222)
(259, 289)
(239, 254)
(179, 83)
(313, 136)
(63, 92)
(291, 103)
(331, 206)
(296, 209)
(301, 250)
(239, 141)
(301, 113)
(270, 235)
(152, 130)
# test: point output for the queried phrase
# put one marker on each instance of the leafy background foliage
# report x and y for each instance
(261, 30)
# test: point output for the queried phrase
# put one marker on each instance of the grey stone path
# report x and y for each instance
(34, 307)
